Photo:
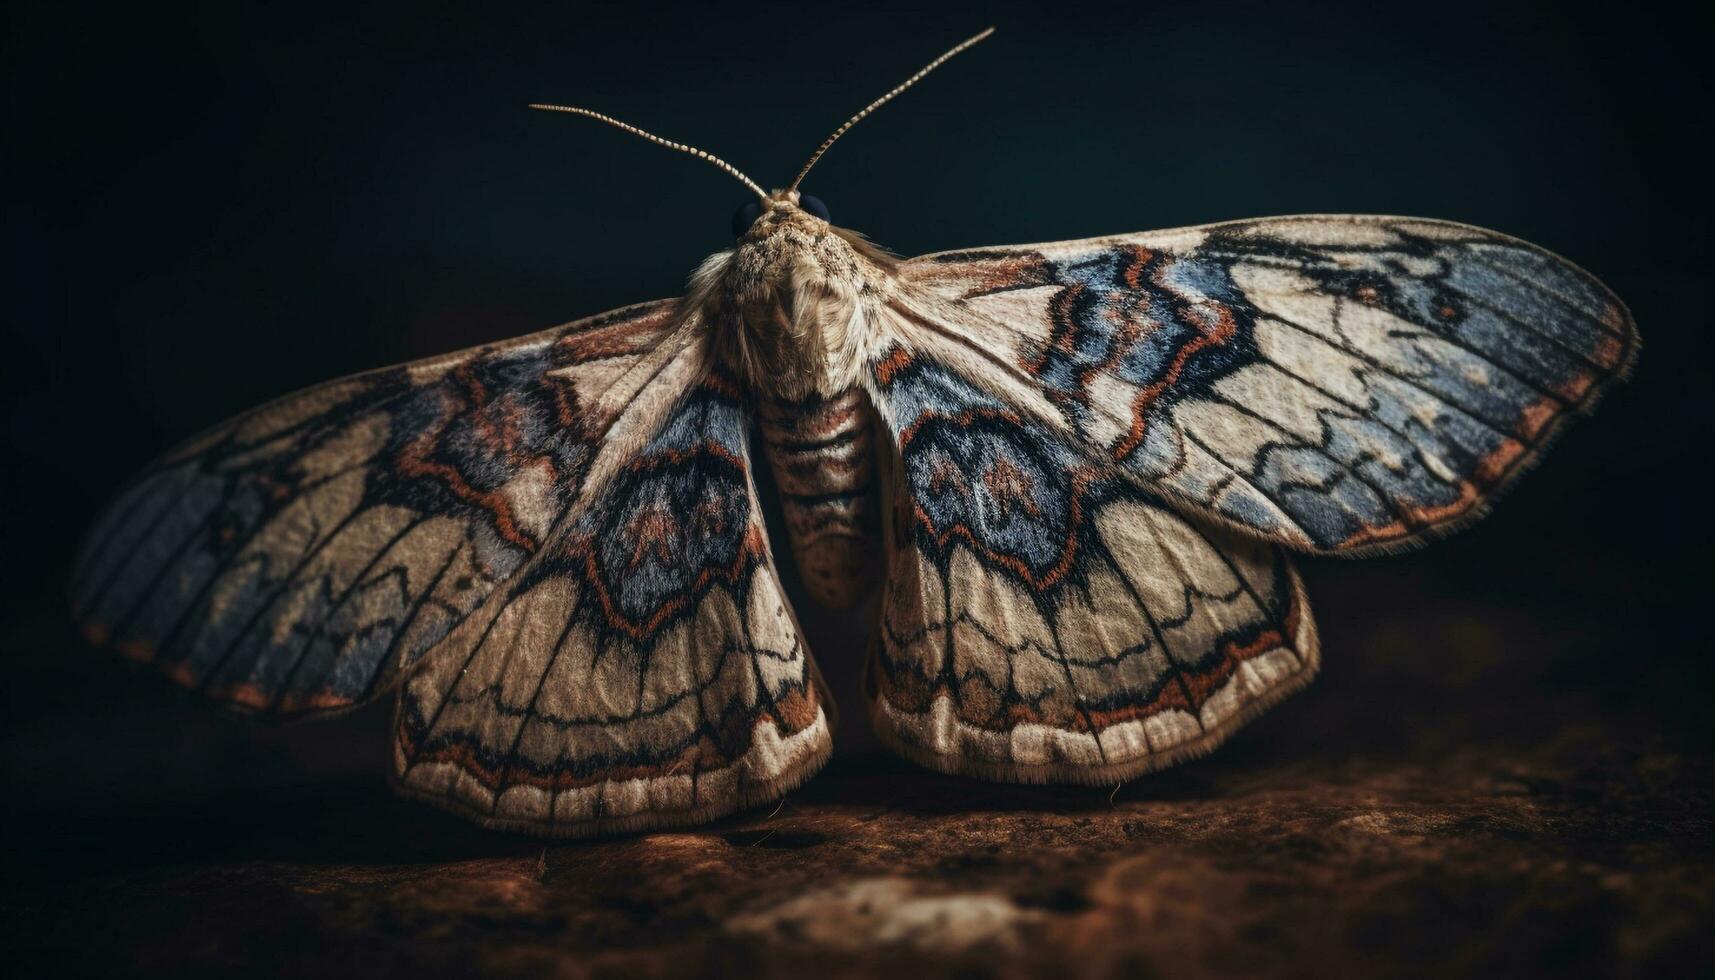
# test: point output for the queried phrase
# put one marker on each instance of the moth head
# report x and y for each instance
(784, 297)
(785, 257)
(780, 208)
(786, 294)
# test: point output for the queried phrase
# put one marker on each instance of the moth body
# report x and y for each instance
(822, 454)
(797, 305)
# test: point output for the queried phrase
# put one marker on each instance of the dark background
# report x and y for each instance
(210, 205)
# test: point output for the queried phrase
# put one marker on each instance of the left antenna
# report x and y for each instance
(651, 137)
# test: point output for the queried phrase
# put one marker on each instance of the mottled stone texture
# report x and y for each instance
(1477, 786)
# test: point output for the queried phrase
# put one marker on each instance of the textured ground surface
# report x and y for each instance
(1476, 785)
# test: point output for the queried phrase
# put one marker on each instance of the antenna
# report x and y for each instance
(878, 103)
(669, 144)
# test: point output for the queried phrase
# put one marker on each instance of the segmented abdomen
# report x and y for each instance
(821, 452)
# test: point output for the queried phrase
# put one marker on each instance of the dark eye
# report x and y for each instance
(744, 217)
(814, 205)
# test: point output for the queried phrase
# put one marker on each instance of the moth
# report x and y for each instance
(1075, 472)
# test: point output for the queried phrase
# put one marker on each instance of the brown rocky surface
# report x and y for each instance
(1479, 784)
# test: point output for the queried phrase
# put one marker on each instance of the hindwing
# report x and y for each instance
(1046, 619)
(644, 670)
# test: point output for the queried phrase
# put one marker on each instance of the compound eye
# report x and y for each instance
(744, 217)
(814, 205)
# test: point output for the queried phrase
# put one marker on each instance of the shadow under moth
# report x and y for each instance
(1075, 471)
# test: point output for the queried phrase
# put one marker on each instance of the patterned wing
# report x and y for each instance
(1335, 383)
(295, 558)
(1046, 619)
(643, 671)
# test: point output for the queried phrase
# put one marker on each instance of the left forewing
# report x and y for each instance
(1339, 384)
(294, 559)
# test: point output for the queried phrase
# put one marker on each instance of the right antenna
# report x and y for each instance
(878, 103)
